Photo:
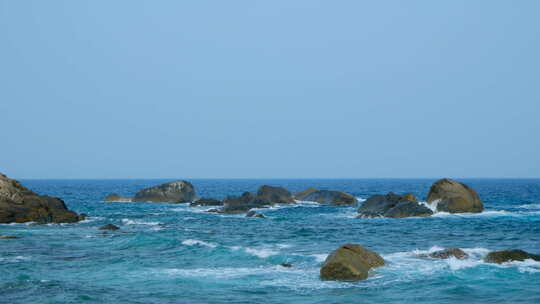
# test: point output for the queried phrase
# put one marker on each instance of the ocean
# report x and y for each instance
(173, 253)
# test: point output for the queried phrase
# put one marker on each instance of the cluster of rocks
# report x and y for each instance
(174, 192)
(352, 262)
(19, 204)
(445, 195)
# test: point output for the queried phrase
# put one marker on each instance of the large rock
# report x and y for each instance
(393, 205)
(206, 202)
(510, 255)
(275, 195)
(173, 192)
(19, 204)
(327, 197)
(350, 262)
(243, 203)
(113, 197)
(448, 253)
(454, 197)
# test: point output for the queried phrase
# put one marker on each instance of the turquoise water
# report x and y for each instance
(167, 253)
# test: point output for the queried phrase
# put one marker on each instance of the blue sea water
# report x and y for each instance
(171, 253)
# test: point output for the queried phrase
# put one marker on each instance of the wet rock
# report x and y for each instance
(454, 197)
(19, 204)
(510, 255)
(448, 253)
(393, 205)
(327, 197)
(206, 202)
(113, 197)
(286, 265)
(350, 262)
(213, 210)
(173, 192)
(8, 237)
(252, 213)
(275, 195)
(243, 203)
(109, 227)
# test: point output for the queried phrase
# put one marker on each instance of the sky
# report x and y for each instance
(269, 89)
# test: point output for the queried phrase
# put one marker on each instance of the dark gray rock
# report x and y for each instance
(510, 255)
(206, 202)
(275, 195)
(113, 197)
(327, 197)
(8, 237)
(173, 192)
(449, 252)
(350, 262)
(454, 197)
(18, 204)
(243, 203)
(286, 265)
(213, 210)
(393, 205)
(109, 227)
(252, 213)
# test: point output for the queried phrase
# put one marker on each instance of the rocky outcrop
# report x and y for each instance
(109, 227)
(448, 253)
(243, 203)
(452, 196)
(327, 197)
(350, 262)
(510, 255)
(275, 195)
(113, 197)
(173, 192)
(253, 213)
(206, 202)
(19, 204)
(393, 205)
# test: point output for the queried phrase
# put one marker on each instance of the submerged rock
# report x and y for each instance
(109, 227)
(252, 213)
(173, 192)
(286, 265)
(113, 197)
(393, 205)
(275, 195)
(327, 197)
(350, 262)
(19, 204)
(510, 255)
(449, 252)
(8, 237)
(454, 197)
(206, 202)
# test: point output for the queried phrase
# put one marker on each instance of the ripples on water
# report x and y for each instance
(167, 253)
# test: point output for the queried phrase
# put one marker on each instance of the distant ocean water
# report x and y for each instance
(171, 253)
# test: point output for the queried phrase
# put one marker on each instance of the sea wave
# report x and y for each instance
(191, 242)
(139, 222)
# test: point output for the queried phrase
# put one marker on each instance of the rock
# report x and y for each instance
(327, 197)
(302, 195)
(350, 262)
(393, 205)
(206, 202)
(243, 203)
(173, 192)
(252, 213)
(454, 197)
(109, 227)
(213, 210)
(286, 265)
(19, 204)
(449, 252)
(116, 198)
(8, 237)
(275, 195)
(510, 255)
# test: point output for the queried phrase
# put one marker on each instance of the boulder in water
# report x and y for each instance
(8, 237)
(173, 192)
(206, 202)
(393, 205)
(113, 197)
(448, 253)
(275, 195)
(19, 204)
(510, 255)
(350, 262)
(454, 197)
(327, 197)
(252, 213)
(109, 227)
(243, 203)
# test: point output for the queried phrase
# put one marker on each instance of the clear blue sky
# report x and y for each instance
(152, 89)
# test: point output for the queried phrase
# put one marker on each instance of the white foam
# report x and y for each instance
(262, 253)
(191, 242)
(530, 206)
(138, 222)
(320, 257)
